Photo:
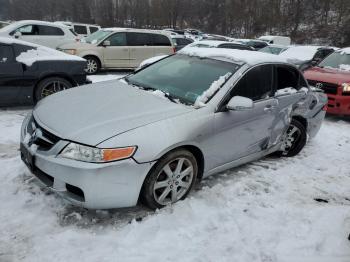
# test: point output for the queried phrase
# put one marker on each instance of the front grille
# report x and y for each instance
(41, 137)
(328, 88)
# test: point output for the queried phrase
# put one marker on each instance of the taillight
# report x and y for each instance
(325, 107)
(174, 50)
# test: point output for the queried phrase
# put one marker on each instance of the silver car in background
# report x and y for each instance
(181, 119)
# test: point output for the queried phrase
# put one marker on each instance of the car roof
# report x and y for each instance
(345, 50)
(236, 56)
(15, 25)
(123, 29)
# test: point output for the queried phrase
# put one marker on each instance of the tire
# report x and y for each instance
(173, 185)
(49, 86)
(93, 65)
(295, 139)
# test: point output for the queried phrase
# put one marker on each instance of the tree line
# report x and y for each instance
(305, 21)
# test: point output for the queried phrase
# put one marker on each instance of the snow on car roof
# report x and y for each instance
(302, 53)
(240, 56)
(211, 43)
(39, 53)
(15, 25)
(345, 50)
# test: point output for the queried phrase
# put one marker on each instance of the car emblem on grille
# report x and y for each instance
(319, 85)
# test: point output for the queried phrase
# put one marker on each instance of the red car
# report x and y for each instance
(332, 75)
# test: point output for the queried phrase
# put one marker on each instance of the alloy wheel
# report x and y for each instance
(173, 181)
(291, 139)
(91, 66)
(53, 87)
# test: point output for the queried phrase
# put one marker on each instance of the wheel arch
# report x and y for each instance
(302, 120)
(45, 76)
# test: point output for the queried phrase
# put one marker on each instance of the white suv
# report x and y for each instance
(81, 29)
(120, 48)
(39, 32)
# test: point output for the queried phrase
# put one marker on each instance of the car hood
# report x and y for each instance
(327, 75)
(94, 113)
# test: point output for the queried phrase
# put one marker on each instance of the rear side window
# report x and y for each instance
(49, 30)
(139, 39)
(183, 41)
(287, 77)
(93, 29)
(6, 54)
(26, 30)
(256, 84)
(160, 40)
(118, 39)
(80, 29)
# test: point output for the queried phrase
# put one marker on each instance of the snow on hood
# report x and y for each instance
(45, 54)
(237, 56)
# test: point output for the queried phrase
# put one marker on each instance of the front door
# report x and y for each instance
(11, 73)
(117, 53)
(242, 133)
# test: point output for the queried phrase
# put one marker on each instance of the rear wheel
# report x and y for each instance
(50, 86)
(93, 65)
(170, 180)
(294, 140)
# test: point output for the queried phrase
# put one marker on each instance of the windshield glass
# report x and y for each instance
(338, 60)
(96, 37)
(182, 77)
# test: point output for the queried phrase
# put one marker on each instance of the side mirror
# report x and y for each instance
(106, 43)
(17, 34)
(240, 103)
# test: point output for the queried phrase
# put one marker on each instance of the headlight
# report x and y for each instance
(346, 87)
(96, 155)
(70, 51)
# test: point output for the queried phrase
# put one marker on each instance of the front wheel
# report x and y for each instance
(170, 180)
(294, 139)
(50, 86)
(92, 65)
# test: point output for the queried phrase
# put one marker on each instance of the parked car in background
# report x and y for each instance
(39, 32)
(276, 40)
(3, 24)
(176, 31)
(332, 75)
(305, 57)
(274, 49)
(81, 29)
(220, 44)
(168, 125)
(29, 72)
(194, 34)
(120, 48)
(256, 44)
(180, 42)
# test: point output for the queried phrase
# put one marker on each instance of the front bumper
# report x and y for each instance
(96, 186)
(338, 104)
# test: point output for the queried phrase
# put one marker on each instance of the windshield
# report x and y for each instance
(96, 37)
(338, 60)
(182, 77)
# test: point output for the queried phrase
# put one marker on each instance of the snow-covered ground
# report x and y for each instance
(265, 211)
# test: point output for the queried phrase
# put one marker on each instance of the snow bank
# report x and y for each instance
(45, 54)
(238, 56)
(214, 87)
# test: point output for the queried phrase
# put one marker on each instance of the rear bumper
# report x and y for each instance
(338, 104)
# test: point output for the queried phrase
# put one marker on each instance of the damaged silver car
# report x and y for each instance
(151, 136)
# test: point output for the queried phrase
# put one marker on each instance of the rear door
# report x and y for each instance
(242, 133)
(117, 54)
(11, 73)
(141, 48)
(287, 91)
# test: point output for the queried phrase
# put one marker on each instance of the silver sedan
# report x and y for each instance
(151, 136)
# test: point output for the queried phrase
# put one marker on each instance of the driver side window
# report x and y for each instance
(256, 84)
(118, 39)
